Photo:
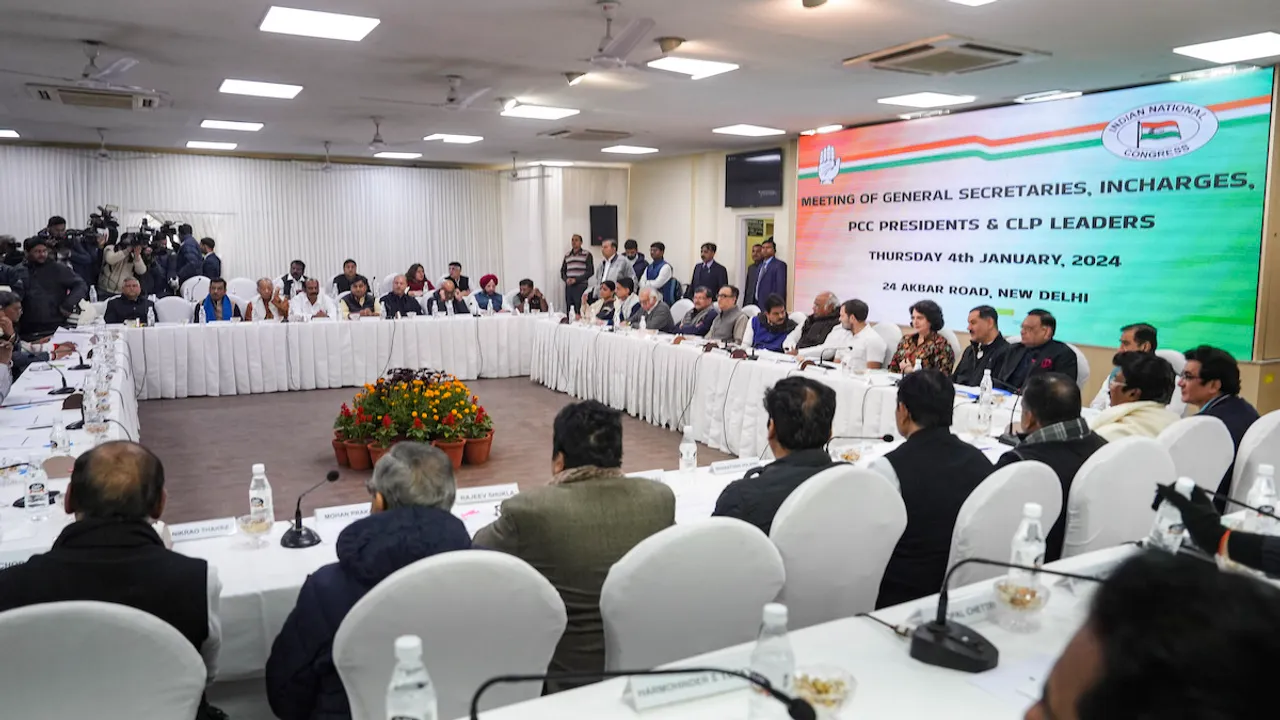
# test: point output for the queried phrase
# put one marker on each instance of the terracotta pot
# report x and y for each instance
(453, 449)
(477, 450)
(340, 453)
(358, 454)
(376, 452)
(337, 435)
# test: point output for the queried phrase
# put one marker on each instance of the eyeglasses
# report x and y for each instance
(1188, 377)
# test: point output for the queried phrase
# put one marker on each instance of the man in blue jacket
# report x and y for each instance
(190, 261)
(772, 277)
(410, 519)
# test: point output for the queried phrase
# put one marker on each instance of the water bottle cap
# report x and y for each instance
(775, 614)
(1032, 510)
(1266, 469)
(259, 469)
(1184, 486)
(408, 647)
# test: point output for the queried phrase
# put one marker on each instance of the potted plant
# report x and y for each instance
(418, 431)
(449, 438)
(341, 426)
(383, 438)
(479, 434)
(358, 441)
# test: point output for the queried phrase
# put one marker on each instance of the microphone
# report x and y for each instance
(797, 708)
(83, 365)
(75, 402)
(883, 438)
(65, 389)
(298, 536)
(956, 646)
(1228, 498)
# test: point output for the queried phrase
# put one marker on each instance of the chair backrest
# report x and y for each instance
(173, 310)
(239, 302)
(989, 518)
(385, 285)
(1201, 448)
(836, 533)
(101, 660)
(680, 308)
(1260, 446)
(751, 310)
(1082, 367)
(892, 335)
(950, 336)
(99, 308)
(195, 288)
(1110, 499)
(798, 317)
(242, 287)
(479, 614)
(687, 590)
(1179, 363)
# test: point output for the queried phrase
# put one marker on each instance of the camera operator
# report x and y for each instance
(11, 275)
(10, 251)
(190, 260)
(155, 280)
(120, 261)
(54, 291)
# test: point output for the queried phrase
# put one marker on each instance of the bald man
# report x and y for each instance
(398, 302)
(111, 553)
(825, 318)
(128, 305)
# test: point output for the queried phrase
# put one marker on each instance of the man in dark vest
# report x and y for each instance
(935, 471)
(1054, 433)
(111, 553)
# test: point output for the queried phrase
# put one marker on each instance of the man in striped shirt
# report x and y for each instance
(576, 270)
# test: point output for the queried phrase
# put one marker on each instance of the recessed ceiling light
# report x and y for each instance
(536, 112)
(1221, 71)
(9, 134)
(260, 89)
(551, 163)
(1249, 47)
(695, 69)
(207, 145)
(231, 125)
(454, 139)
(1048, 96)
(927, 100)
(748, 130)
(923, 114)
(333, 26)
(823, 130)
(630, 150)
(972, 3)
(387, 155)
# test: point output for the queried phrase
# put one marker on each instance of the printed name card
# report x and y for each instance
(968, 607)
(488, 493)
(650, 691)
(342, 513)
(741, 465)
(202, 530)
(16, 557)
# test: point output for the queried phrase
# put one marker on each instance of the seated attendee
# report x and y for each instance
(412, 491)
(111, 553)
(731, 323)
(1168, 636)
(639, 264)
(708, 273)
(1054, 433)
(447, 301)
(655, 313)
(1139, 337)
(771, 329)
(626, 304)
(400, 302)
(986, 348)
(312, 304)
(489, 297)
(211, 265)
(601, 312)
(1140, 392)
(342, 283)
(698, 320)
(6, 359)
(935, 471)
(853, 339)
(801, 411)
(293, 283)
(25, 353)
(574, 529)
(825, 318)
(528, 299)
(926, 344)
(216, 305)
(268, 305)
(419, 285)
(461, 283)
(360, 302)
(659, 273)
(1037, 353)
(1211, 380)
(128, 305)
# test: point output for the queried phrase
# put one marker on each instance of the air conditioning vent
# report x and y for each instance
(587, 135)
(945, 55)
(111, 99)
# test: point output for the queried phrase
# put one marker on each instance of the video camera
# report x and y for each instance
(159, 239)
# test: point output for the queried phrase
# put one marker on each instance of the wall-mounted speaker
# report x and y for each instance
(604, 223)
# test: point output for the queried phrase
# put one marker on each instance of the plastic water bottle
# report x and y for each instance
(1028, 545)
(1262, 496)
(151, 316)
(93, 294)
(448, 309)
(36, 498)
(410, 695)
(261, 505)
(573, 315)
(204, 317)
(688, 451)
(775, 661)
(1021, 595)
(643, 324)
(919, 365)
(59, 444)
(986, 403)
(1168, 531)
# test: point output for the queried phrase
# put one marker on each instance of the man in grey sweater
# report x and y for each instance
(731, 324)
(655, 313)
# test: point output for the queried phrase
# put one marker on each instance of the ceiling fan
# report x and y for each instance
(455, 99)
(613, 50)
(103, 155)
(92, 75)
(513, 175)
(327, 166)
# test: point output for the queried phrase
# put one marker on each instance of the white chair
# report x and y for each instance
(99, 660)
(1201, 448)
(687, 590)
(1259, 446)
(679, 310)
(479, 614)
(1110, 499)
(195, 288)
(1082, 367)
(836, 533)
(954, 342)
(242, 287)
(343, 294)
(892, 335)
(989, 518)
(100, 308)
(173, 310)
(508, 299)
(798, 317)
(751, 310)
(240, 303)
(385, 285)
(1179, 363)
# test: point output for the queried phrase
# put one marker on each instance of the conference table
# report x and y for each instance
(174, 360)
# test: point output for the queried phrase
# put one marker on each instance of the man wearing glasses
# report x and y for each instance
(1211, 380)
(730, 323)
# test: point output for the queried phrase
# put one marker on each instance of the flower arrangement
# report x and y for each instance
(480, 424)
(421, 405)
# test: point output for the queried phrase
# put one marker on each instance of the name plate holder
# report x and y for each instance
(650, 691)
(968, 608)
(202, 530)
(343, 513)
(741, 465)
(16, 557)
(487, 493)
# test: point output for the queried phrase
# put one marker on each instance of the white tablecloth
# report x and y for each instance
(177, 361)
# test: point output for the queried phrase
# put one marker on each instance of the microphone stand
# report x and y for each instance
(65, 389)
(1228, 498)
(299, 536)
(78, 424)
(83, 365)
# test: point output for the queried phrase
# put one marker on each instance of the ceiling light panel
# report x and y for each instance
(454, 139)
(9, 134)
(927, 100)
(1048, 96)
(387, 155)
(972, 3)
(537, 112)
(695, 69)
(260, 89)
(823, 130)
(551, 163)
(630, 150)
(1215, 72)
(231, 125)
(331, 26)
(208, 145)
(1248, 47)
(748, 130)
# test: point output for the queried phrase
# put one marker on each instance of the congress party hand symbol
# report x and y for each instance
(828, 165)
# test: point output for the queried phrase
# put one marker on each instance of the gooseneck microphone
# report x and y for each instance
(65, 389)
(1233, 501)
(797, 708)
(882, 438)
(83, 365)
(957, 646)
(299, 536)
(78, 424)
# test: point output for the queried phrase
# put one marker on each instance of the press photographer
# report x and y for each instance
(121, 260)
(53, 291)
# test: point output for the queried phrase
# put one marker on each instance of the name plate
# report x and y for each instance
(342, 513)
(741, 465)
(488, 493)
(202, 530)
(967, 608)
(16, 557)
(650, 691)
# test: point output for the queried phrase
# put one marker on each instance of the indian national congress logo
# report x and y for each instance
(1160, 131)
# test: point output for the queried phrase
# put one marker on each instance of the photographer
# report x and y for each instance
(10, 251)
(11, 275)
(190, 261)
(120, 261)
(155, 279)
(54, 291)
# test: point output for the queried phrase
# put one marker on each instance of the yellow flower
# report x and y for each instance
(415, 413)
(435, 417)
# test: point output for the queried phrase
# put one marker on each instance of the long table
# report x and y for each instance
(224, 358)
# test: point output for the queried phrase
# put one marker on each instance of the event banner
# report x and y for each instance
(1139, 205)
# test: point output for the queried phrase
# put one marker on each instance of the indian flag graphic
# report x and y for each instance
(1158, 131)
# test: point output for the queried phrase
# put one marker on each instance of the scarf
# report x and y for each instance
(654, 269)
(208, 308)
(585, 472)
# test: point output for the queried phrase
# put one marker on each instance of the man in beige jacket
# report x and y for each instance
(1140, 394)
(120, 261)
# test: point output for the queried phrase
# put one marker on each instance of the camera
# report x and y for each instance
(104, 218)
